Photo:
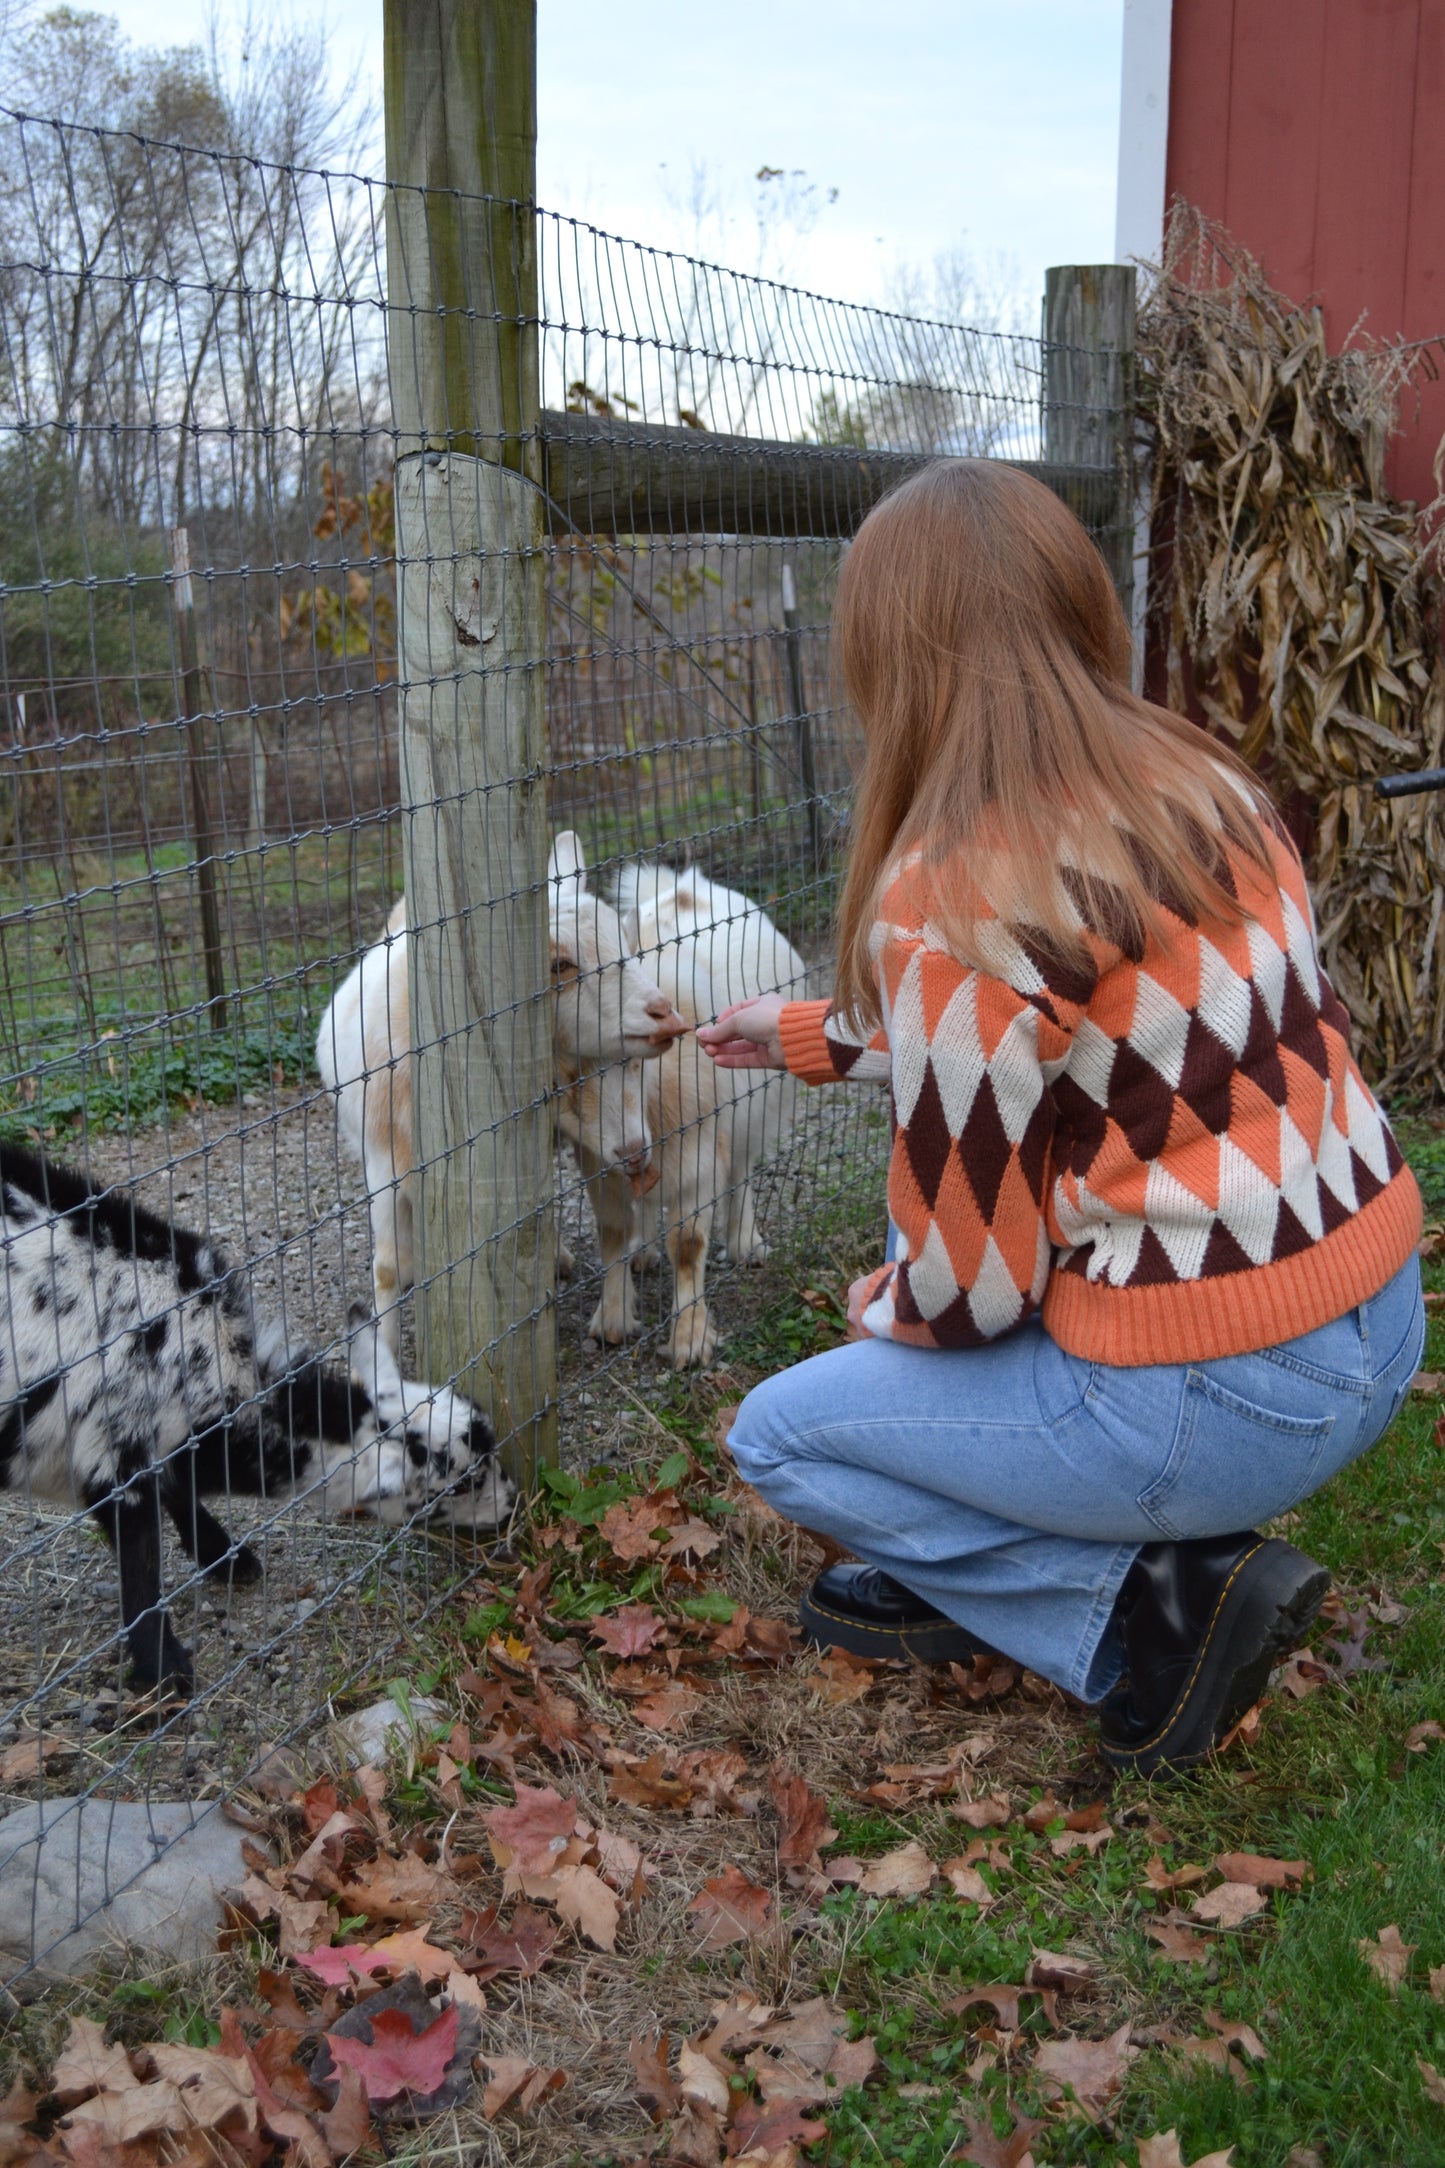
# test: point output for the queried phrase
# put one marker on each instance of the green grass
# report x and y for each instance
(102, 980)
(1327, 1780)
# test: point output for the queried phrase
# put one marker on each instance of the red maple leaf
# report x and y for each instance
(630, 1632)
(535, 1828)
(399, 2060)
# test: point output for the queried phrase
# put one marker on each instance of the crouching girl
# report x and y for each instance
(1153, 1278)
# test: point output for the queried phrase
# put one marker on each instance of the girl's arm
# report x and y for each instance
(805, 1037)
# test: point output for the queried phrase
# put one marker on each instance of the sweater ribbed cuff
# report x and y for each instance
(805, 1043)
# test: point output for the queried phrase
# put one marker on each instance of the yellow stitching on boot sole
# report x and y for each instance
(860, 1626)
(1177, 1710)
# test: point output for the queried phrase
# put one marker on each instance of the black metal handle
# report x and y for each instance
(1404, 786)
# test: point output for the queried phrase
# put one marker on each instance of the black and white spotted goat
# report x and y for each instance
(134, 1379)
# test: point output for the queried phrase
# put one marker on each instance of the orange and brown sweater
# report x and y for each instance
(1171, 1154)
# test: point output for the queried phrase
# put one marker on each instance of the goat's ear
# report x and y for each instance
(566, 860)
(372, 1363)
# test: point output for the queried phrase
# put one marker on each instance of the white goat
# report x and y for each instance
(710, 1126)
(609, 1013)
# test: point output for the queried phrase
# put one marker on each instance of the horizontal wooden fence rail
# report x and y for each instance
(607, 476)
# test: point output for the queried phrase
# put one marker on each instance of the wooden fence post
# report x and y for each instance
(185, 602)
(1089, 392)
(462, 355)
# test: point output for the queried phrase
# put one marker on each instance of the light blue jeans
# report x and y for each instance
(1012, 1485)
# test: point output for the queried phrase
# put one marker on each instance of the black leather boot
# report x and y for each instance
(864, 1610)
(1202, 1623)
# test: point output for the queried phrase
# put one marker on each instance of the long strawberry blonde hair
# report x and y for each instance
(983, 648)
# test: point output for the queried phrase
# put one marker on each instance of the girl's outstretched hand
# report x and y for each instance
(745, 1035)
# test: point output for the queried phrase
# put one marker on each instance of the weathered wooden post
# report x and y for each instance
(1089, 392)
(462, 355)
(194, 753)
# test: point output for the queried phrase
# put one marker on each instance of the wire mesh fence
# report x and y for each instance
(221, 679)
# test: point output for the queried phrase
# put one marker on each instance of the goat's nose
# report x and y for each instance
(669, 1024)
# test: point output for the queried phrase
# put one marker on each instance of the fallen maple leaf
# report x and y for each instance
(654, 2085)
(86, 2065)
(627, 1529)
(1263, 1873)
(533, 1831)
(1244, 1731)
(768, 2134)
(399, 2060)
(628, 1632)
(1159, 1877)
(803, 1824)
(30, 1756)
(336, 1963)
(586, 1903)
(1419, 1736)
(1437, 1983)
(1072, 1840)
(699, 2078)
(669, 1709)
(990, 1813)
(715, 1773)
(1090, 2069)
(984, 2150)
(907, 1872)
(649, 1783)
(392, 1888)
(1434, 2083)
(523, 1946)
(841, 1678)
(691, 1538)
(1071, 1975)
(1230, 1905)
(1177, 1942)
(411, 1950)
(1388, 1958)
(1162, 2151)
(1003, 2001)
(1236, 2034)
(347, 2122)
(730, 1908)
(968, 1883)
(515, 2083)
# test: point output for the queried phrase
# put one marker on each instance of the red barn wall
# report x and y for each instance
(1314, 130)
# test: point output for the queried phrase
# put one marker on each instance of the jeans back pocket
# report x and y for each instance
(1232, 1463)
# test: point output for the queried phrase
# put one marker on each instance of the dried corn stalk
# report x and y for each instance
(1303, 601)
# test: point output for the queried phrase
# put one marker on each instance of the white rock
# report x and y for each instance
(79, 1878)
(366, 1736)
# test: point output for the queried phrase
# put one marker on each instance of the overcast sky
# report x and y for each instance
(987, 124)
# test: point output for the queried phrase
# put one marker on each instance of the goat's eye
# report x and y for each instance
(563, 967)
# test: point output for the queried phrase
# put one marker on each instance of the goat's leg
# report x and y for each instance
(131, 1524)
(746, 1131)
(387, 1285)
(202, 1536)
(615, 1319)
(694, 1168)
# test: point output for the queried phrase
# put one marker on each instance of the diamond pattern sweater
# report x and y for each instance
(1171, 1154)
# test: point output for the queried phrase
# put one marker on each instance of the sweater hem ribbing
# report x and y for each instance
(1239, 1313)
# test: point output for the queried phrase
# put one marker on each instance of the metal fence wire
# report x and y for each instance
(210, 746)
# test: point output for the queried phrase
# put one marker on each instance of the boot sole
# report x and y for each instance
(929, 1642)
(1265, 1608)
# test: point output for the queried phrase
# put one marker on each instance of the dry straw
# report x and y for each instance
(1300, 605)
